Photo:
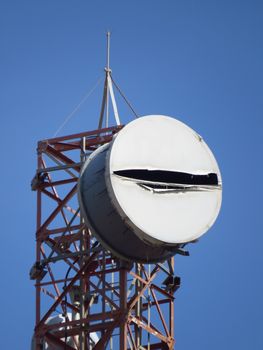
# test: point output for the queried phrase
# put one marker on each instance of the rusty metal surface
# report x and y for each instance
(111, 298)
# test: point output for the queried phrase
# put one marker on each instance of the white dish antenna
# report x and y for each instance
(153, 188)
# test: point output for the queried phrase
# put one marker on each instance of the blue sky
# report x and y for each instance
(199, 61)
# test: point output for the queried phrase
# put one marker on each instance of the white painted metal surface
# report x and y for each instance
(166, 144)
(114, 105)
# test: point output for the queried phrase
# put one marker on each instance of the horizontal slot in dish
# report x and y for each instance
(173, 179)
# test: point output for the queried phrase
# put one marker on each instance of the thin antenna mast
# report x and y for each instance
(107, 69)
(108, 92)
(108, 51)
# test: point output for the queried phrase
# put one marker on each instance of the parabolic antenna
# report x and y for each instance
(153, 188)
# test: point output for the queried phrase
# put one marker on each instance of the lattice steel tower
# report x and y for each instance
(102, 280)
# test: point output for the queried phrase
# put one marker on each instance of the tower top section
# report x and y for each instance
(108, 93)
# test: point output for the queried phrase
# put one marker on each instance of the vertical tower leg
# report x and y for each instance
(123, 309)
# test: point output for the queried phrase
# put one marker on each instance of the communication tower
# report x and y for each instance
(114, 205)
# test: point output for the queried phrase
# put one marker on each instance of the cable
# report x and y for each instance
(70, 115)
(124, 97)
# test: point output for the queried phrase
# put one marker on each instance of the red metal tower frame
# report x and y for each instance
(129, 306)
